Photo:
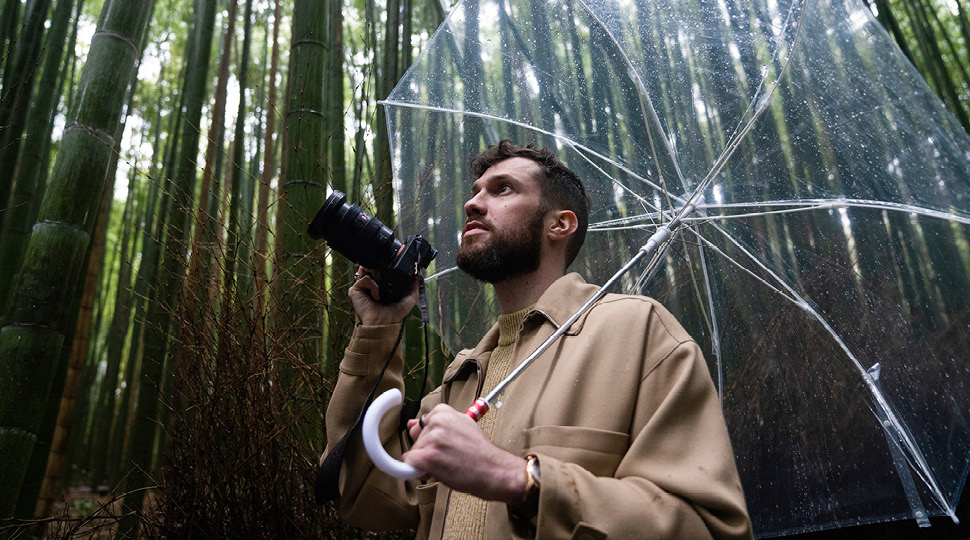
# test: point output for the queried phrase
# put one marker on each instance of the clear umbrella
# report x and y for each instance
(825, 271)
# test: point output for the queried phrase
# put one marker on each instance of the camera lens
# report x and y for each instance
(361, 238)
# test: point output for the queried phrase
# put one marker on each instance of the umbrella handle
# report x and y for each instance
(372, 440)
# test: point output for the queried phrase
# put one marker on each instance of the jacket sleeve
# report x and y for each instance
(677, 478)
(369, 498)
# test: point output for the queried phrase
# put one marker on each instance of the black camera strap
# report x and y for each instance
(326, 484)
(411, 407)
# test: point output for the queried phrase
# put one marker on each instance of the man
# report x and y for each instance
(614, 432)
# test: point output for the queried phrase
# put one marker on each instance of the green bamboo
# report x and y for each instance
(35, 475)
(943, 37)
(299, 267)
(581, 55)
(18, 86)
(21, 213)
(35, 330)
(963, 19)
(889, 20)
(74, 405)
(240, 200)
(262, 210)
(340, 317)
(118, 330)
(142, 441)
(47, 462)
(8, 25)
(144, 289)
(197, 307)
(933, 63)
(39, 456)
(387, 77)
(360, 145)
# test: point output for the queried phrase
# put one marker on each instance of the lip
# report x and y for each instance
(473, 227)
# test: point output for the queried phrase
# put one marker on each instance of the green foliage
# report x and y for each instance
(937, 35)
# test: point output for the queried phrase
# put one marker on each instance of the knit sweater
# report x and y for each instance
(466, 513)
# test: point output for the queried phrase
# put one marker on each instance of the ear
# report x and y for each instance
(563, 224)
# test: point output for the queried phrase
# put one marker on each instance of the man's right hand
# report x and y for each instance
(365, 293)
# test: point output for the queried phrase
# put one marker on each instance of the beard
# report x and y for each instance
(506, 255)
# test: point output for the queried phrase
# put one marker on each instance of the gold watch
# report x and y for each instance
(533, 481)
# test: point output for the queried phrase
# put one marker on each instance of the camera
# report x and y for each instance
(366, 241)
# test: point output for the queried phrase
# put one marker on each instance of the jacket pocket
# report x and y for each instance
(597, 450)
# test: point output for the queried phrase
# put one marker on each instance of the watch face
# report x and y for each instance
(534, 470)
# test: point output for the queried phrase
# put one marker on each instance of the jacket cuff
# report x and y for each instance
(559, 503)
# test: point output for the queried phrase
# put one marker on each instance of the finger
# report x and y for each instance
(417, 425)
(414, 430)
(372, 287)
(367, 284)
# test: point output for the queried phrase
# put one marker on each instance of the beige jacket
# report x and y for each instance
(621, 411)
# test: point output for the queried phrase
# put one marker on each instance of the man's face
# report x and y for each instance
(504, 225)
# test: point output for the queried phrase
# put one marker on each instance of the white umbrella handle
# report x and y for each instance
(372, 440)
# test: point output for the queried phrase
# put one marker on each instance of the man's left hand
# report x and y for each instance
(452, 449)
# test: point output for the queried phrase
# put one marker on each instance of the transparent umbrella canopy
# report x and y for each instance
(825, 270)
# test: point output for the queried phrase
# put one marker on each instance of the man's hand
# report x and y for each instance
(452, 449)
(365, 293)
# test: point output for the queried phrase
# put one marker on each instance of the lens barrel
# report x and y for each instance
(359, 237)
(369, 243)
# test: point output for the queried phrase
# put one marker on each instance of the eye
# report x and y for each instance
(504, 188)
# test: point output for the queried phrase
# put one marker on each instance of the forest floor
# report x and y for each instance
(83, 514)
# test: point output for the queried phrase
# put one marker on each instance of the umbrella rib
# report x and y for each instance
(803, 205)
(441, 274)
(796, 205)
(711, 319)
(708, 311)
(644, 201)
(741, 267)
(558, 136)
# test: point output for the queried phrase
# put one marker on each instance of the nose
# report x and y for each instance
(475, 205)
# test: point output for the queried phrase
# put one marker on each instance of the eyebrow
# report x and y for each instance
(499, 176)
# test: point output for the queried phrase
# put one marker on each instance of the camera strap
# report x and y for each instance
(326, 484)
(411, 407)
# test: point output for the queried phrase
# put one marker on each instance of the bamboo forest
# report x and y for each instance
(170, 333)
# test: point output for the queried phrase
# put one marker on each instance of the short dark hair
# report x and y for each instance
(561, 188)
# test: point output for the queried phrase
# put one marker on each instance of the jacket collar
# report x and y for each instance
(566, 295)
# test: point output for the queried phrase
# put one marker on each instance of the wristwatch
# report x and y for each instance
(533, 483)
(525, 512)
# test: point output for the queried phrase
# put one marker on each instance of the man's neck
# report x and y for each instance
(523, 291)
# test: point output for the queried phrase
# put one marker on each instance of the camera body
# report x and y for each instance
(366, 241)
